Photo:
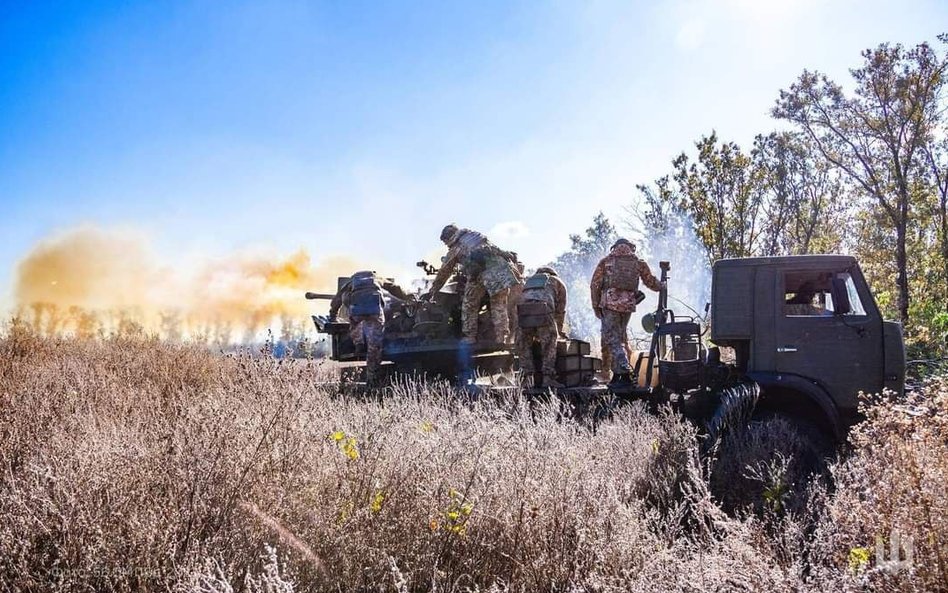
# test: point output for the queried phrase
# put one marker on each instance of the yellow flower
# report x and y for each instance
(350, 449)
(452, 515)
(344, 511)
(337, 436)
(376, 504)
(426, 426)
(467, 508)
(858, 558)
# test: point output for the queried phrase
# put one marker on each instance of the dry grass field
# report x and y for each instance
(130, 464)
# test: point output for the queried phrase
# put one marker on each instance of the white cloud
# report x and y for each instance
(510, 230)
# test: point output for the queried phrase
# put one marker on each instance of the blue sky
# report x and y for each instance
(363, 127)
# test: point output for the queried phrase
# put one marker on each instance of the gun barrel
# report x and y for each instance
(312, 296)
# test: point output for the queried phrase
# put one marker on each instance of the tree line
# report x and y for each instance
(856, 167)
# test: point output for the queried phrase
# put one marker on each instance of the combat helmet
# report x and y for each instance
(623, 241)
(449, 233)
(547, 270)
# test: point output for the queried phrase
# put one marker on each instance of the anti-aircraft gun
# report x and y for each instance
(423, 337)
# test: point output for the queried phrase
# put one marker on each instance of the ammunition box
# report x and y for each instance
(577, 363)
(575, 378)
(572, 348)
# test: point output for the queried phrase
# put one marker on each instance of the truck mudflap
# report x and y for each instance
(735, 407)
(782, 387)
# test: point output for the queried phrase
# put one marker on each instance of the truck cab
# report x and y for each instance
(806, 329)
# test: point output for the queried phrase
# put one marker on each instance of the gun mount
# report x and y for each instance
(423, 337)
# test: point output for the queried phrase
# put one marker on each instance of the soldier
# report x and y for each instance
(364, 297)
(541, 313)
(489, 271)
(513, 298)
(615, 293)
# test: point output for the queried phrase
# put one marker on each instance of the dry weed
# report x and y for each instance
(131, 464)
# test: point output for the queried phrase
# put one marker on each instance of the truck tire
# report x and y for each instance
(769, 464)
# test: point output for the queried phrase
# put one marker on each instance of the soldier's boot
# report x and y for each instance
(550, 382)
(606, 373)
(621, 381)
(371, 378)
(503, 339)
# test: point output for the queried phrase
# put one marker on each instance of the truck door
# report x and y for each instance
(843, 353)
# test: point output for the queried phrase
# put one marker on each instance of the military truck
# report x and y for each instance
(807, 330)
(798, 335)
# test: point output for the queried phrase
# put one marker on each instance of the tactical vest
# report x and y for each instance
(475, 251)
(366, 295)
(622, 273)
(471, 240)
(537, 302)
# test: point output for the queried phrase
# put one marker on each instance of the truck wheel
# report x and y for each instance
(769, 464)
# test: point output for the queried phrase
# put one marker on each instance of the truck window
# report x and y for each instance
(808, 294)
(855, 305)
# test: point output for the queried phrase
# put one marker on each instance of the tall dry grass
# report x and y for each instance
(131, 464)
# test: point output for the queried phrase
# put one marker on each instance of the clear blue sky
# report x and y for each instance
(364, 127)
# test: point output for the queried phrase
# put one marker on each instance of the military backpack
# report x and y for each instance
(536, 305)
(366, 296)
(622, 273)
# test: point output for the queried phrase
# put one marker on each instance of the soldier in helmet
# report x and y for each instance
(615, 292)
(489, 271)
(541, 312)
(365, 295)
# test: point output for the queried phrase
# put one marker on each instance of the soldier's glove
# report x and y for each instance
(332, 319)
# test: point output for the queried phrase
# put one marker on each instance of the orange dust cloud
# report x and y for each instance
(92, 280)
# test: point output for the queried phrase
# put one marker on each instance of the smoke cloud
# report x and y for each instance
(91, 280)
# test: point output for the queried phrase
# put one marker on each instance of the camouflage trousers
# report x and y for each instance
(546, 336)
(368, 330)
(607, 353)
(615, 338)
(471, 305)
(513, 298)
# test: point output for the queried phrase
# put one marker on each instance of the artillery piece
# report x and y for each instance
(424, 337)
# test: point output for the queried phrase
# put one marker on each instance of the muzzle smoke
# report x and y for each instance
(92, 281)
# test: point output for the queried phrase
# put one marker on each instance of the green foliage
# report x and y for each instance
(877, 135)
(777, 199)
(864, 172)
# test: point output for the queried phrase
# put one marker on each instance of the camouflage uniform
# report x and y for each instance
(489, 272)
(513, 298)
(546, 290)
(616, 304)
(607, 354)
(367, 328)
